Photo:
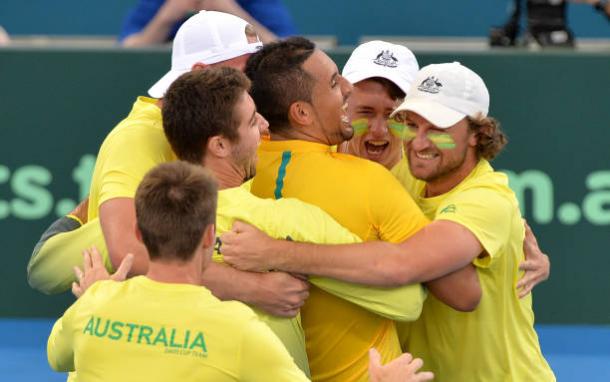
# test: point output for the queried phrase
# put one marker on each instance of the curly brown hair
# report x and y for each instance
(491, 138)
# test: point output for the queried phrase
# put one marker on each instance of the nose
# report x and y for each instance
(263, 125)
(378, 127)
(421, 140)
(346, 87)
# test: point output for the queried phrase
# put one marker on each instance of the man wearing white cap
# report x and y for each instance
(381, 74)
(134, 146)
(475, 223)
(138, 143)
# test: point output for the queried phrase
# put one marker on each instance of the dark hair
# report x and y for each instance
(175, 202)
(393, 90)
(200, 105)
(279, 80)
(490, 137)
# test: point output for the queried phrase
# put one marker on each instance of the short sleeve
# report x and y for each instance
(484, 212)
(124, 167)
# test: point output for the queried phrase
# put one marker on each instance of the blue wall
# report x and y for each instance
(348, 19)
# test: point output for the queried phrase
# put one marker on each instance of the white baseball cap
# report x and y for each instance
(446, 93)
(382, 59)
(207, 37)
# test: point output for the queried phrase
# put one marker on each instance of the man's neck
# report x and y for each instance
(177, 272)
(226, 173)
(450, 181)
(300, 133)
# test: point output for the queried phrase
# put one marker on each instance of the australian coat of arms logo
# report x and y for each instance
(386, 58)
(430, 85)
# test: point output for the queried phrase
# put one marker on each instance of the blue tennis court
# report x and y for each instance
(576, 353)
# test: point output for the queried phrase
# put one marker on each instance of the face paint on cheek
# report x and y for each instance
(360, 126)
(443, 141)
(398, 129)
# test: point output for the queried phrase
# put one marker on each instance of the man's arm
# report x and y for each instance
(118, 221)
(536, 265)
(173, 11)
(277, 293)
(421, 258)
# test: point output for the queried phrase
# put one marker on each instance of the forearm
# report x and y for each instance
(369, 263)
(159, 27)
(118, 222)
(227, 283)
(232, 7)
(460, 290)
(436, 250)
(50, 268)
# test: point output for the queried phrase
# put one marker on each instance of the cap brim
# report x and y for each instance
(160, 87)
(437, 114)
(364, 75)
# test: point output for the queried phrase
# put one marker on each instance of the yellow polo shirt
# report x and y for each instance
(143, 330)
(133, 147)
(496, 342)
(363, 197)
(279, 218)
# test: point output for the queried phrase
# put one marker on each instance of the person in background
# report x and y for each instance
(157, 21)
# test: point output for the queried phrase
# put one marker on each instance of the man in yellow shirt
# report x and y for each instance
(229, 151)
(476, 220)
(381, 74)
(165, 326)
(299, 90)
(220, 95)
(138, 143)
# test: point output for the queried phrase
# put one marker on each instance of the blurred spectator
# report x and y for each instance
(546, 25)
(4, 39)
(156, 21)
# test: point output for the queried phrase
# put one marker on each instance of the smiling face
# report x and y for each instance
(437, 163)
(329, 99)
(371, 104)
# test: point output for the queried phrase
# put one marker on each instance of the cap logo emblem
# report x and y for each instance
(430, 85)
(386, 58)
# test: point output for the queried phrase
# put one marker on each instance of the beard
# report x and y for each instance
(245, 162)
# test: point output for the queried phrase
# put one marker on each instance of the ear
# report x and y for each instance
(301, 113)
(475, 137)
(138, 233)
(199, 66)
(209, 236)
(219, 146)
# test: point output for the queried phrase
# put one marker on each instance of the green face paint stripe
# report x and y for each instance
(397, 129)
(360, 126)
(442, 140)
(445, 145)
(408, 134)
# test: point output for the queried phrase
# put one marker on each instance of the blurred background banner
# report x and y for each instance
(57, 105)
